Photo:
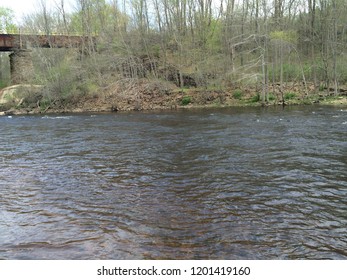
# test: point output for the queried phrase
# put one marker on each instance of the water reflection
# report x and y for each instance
(220, 184)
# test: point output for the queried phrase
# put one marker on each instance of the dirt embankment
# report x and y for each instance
(143, 94)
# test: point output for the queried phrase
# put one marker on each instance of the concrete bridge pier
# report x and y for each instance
(22, 68)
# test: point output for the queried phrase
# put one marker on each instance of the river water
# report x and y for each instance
(249, 183)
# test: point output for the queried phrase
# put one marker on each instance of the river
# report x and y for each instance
(237, 183)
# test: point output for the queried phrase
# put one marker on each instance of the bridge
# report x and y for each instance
(11, 42)
(20, 46)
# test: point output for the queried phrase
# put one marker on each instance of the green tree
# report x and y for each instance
(6, 21)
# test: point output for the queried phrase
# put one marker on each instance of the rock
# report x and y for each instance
(12, 112)
(114, 108)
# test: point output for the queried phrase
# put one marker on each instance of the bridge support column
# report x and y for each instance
(22, 68)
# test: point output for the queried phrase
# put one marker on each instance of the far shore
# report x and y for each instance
(144, 96)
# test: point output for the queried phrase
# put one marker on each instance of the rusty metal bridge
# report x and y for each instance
(11, 42)
(20, 47)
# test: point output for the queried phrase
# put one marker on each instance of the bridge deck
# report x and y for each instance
(10, 42)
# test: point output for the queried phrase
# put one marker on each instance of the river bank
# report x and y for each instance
(130, 95)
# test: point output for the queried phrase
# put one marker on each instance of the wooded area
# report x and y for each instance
(191, 43)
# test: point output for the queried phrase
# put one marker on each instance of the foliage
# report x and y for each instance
(291, 72)
(186, 100)
(237, 94)
(271, 97)
(214, 36)
(96, 17)
(255, 98)
(6, 21)
(289, 95)
(289, 36)
(2, 84)
(216, 45)
(342, 69)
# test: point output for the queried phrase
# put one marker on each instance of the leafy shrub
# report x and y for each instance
(3, 84)
(237, 94)
(289, 95)
(186, 100)
(255, 98)
(290, 72)
(271, 97)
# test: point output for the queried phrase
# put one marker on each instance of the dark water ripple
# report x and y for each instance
(221, 184)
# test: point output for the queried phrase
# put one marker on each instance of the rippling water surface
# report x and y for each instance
(213, 184)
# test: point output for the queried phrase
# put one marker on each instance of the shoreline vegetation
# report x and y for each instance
(144, 95)
(159, 54)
